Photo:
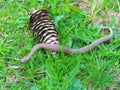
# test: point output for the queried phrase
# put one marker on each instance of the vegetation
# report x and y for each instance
(97, 69)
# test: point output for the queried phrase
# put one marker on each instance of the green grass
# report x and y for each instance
(94, 70)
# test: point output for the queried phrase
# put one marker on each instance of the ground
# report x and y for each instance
(78, 23)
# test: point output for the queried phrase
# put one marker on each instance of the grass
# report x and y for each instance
(95, 70)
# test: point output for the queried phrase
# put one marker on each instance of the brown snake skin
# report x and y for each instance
(66, 49)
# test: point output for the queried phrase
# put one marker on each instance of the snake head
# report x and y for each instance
(24, 59)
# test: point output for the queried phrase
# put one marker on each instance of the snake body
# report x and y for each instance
(51, 43)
